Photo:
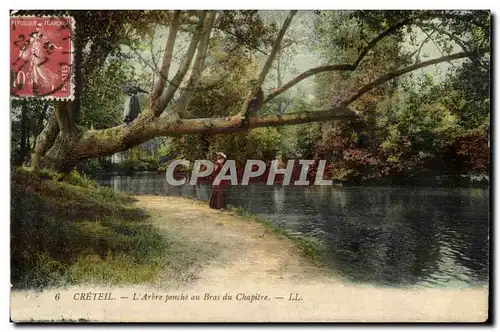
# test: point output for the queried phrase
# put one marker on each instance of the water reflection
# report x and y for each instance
(391, 236)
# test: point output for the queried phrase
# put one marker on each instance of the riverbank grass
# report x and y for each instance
(307, 246)
(68, 230)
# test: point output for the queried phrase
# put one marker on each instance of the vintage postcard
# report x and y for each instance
(250, 165)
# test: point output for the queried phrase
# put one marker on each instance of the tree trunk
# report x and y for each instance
(54, 147)
(61, 156)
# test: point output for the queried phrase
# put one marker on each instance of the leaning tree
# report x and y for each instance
(63, 143)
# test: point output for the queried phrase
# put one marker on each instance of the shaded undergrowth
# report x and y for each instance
(65, 229)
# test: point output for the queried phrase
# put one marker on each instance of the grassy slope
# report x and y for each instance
(63, 234)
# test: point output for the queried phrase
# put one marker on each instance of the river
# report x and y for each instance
(393, 236)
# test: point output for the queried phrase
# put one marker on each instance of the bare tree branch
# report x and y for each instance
(245, 42)
(457, 40)
(351, 67)
(150, 65)
(415, 53)
(164, 99)
(381, 36)
(62, 111)
(274, 51)
(96, 143)
(198, 66)
(45, 140)
(355, 65)
(306, 74)
(387, 77)
(167, 57)
(435, 44)
(453, 37)
(340, 67)
(419, 50)
(276, 48)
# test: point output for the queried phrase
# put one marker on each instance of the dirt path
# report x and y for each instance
(242, 250)
(231, 256)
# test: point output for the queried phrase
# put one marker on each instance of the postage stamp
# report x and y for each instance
(41, 57)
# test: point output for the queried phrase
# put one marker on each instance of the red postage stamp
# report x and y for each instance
(41, 57)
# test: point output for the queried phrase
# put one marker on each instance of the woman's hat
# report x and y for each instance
(222, 154)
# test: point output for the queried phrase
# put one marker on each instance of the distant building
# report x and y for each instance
(119, 157)
(149, 148)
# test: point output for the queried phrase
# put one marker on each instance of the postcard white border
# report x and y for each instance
(224, 4)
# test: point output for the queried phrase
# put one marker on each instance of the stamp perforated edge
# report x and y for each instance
(72, 59)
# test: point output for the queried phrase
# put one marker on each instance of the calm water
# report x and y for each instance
(435, 237)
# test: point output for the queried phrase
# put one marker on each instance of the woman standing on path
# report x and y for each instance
(218, 197)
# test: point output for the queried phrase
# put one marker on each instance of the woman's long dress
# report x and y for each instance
(218, 197)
